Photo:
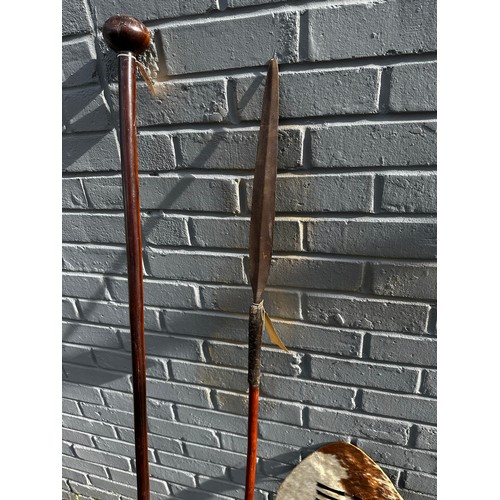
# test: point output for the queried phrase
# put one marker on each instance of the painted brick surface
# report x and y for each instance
(314, 93)
(375, 28)
(413, 87)
(213, 45)
(352, 289)
(374, 145)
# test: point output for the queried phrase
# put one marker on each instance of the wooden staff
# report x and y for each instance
(261, 248)
(129, 37)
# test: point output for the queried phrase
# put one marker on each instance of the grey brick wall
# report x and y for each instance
(352, 285)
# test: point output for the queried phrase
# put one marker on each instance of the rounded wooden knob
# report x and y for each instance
(126, 34)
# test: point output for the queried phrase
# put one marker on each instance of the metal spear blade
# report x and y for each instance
(264, 187)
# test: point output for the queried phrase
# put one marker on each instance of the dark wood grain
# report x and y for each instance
(128, 36)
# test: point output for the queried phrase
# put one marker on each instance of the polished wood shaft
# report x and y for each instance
(129, 37)
(130, 179)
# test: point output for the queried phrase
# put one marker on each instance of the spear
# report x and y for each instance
(129, 37)
(260, 250)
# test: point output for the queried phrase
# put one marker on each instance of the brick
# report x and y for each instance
(223, 457)
(245, 3)
(234, 233)
(286, 434)
(377, 237)
(78, 355)
(169, 474)
(70, 407)
(91, 492)
(68, 308)
(95, 152)
(85, 110)
(267, 449)
(180, 102)
(313, 193)
(273, 360)
(116, 447)
(336, 341)
(161, 229)
(116, 314)
(84, 286)
(426, 437)
(409, 192)
(411, 495)
(211, 419)
(212, 44)
(212, 376)
(190, 464)
(363, 374)
(156, 486)
(416, 460)
(278, 303)
(408, 280)
(97, 336)
(168, 193)
(78, 63)
(307, 392)
(362, 30)
(195, 494)
(89, 258)
(81, 393)
(114, 486)
(73, 194)
(184, 431)
(73, 475)
(153, 9)
(75, 19)
(96, 377)
(429, 383)
(269, 409)
(120, 361)
(156, 293)
(403, 349)
(235, 149)
(122, 401)
(88, 426)
(103, 458)
(351, 312)
(83, 466)
(313, 93)
(234, 491)
(173, 347)
(175, 392)
(361, 426)
(423, 483)
(156, 151)
(76, 437)
(108, 415)
(413, 87)
(205, 325)
(196, 266)
(318, 273)
(374, 144)
(399, 406)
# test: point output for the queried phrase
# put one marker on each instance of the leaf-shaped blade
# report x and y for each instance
(264, 187)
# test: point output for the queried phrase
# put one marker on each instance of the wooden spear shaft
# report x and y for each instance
(129, 37)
